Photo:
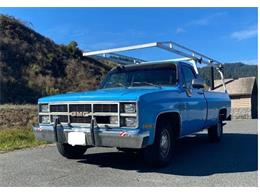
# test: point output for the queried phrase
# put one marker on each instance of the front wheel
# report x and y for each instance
(215, 132)
(71, 152)
(160, 153)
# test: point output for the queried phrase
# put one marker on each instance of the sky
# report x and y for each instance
(225, 34)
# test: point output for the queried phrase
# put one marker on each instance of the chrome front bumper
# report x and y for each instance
(107, 138)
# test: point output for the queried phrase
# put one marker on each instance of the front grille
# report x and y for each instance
(106, 108)
(80, 119)
(83, 113)
(80, 108)
(58, 108)
(62, 118)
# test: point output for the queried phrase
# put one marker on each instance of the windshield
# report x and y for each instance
(140, 77)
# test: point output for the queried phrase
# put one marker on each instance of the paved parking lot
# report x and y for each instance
(233, 162)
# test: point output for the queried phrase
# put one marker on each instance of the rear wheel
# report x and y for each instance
(215, 132)
(161, 151)
(71, 152)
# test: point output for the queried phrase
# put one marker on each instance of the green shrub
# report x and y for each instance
(15, 138)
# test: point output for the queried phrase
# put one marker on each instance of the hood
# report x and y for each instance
(112, 94)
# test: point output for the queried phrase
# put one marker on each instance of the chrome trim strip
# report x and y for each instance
(128, 114)
(86, 102)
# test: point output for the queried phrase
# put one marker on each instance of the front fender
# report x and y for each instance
(150, 108)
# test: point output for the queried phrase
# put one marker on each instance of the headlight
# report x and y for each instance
(44, 108)
(44, 119)
(113, 120)
(128, 121)
(129, 108)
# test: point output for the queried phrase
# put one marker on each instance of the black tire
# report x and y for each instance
(160, 153)
(71, 152)
(215, 132)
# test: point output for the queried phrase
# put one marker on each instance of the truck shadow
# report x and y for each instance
(194, 156)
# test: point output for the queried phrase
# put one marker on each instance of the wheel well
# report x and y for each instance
(223, 114)
(174, 119)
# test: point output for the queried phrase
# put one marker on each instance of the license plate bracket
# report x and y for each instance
(76, 138)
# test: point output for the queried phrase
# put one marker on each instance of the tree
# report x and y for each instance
(73, 49)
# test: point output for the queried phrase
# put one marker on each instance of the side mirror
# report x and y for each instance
(198, 83)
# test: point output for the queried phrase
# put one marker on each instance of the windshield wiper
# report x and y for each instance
(118, 84)
(146, 83)
(121, 85)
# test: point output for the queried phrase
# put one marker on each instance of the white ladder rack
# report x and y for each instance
(190, 55)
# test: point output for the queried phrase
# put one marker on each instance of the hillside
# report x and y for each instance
(32, 65)
(231, 70)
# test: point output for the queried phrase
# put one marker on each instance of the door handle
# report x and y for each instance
(200, 92)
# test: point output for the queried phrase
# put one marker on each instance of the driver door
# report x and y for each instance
(194, 114)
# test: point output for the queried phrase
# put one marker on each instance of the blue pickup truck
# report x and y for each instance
(140, 107)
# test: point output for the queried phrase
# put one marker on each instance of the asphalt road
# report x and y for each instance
(233, 162)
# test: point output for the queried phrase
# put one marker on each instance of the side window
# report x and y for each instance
(188, 76)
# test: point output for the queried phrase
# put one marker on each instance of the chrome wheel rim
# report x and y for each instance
(165, 143)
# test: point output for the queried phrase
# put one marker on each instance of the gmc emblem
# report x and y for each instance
(82, 114)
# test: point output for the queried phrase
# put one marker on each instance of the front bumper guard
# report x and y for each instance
(94, 136)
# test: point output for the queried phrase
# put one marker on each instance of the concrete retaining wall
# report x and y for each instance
(241, 113)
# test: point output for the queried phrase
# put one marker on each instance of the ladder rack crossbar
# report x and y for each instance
(168, 46)
(121, 59)
(190, 50)
(120, 49)
(194, 57)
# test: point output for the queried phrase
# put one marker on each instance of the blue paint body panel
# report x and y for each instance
(196, 112)
(112, 94)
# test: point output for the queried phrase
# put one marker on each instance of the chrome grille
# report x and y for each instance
(82, 113)
(80, 119)
(62, 118)
(105, 108)
(80, 107)
(59, 108)
(79, 113)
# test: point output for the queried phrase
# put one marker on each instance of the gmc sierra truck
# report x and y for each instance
(142, 107)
